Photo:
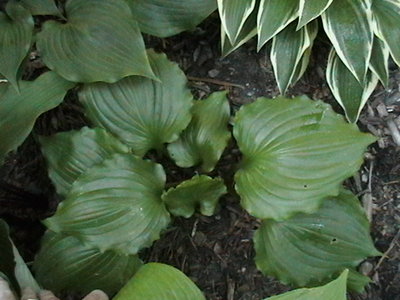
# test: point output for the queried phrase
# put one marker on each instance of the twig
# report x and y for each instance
(385, 255)
(216, 81)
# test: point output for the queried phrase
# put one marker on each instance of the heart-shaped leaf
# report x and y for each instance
(16, 38)
(155, 281)
(295, 153)
(115, 205)
(311, 9)
(200, 191)
(66, 264)
(143, 113)
(165, 18)
(379, 63)
(41, 7)
(310, 249)
(207, 135)
(70, 154)
(18, 111)
(99, 42)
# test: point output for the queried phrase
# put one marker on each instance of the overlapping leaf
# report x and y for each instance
(207, 135)
(379, 63)
(155, 281)
(164, 18)
(200, 191)
(69, 154)
(350, 93)
(116, 205)
(18, 111)
(309, 249)
(295, 153)
(311, 9)
(143, 113)
(41, 7)
(16, 38)
(99, 42)
(66, 264)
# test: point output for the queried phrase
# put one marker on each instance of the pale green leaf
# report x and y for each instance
(155, 281)
(115, 205)
(70, 154)
(348, 92)
(15, 40)
(310, 249)
(295, 153)
(165, 18)
(234, 14)
(201, 192)
(66, 264)
(386, 14)
(207, 135)
(99, 42)
(311, 9)
(41, 7)
(379, 63)
(273, 16)
(143, 113)
(18, 111)
(348, 25)
(357, 281)
(334, 290)
(23, 274)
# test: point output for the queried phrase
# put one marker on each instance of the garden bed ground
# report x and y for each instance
(217, 252)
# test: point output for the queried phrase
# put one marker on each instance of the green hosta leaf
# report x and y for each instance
(99, 42)
(155, 281)
(309, 249)
(379, 63)
(334, 290)
(115, 205)
(18, 111)
(143, 113)
(234, 14)
(350, 94)
(69, 154)
(386, 14)
(16, 38)
(311, 9)
(207, 135)
(295, 153)
(41, 7)
(351, 34)
(200, 191)
(273, 16)
(66, 264)
(164, 18)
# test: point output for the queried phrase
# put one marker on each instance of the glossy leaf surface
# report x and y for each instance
(201, 192)
(379, 63)
(41, 7)
(311, 9)
(295, 153)
(99, 42)
(207, 135)
(155, 281)
(70, 154)
(309, 249)
(116, 205)
(143, 113)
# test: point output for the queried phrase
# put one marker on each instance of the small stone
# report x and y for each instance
(213, 73)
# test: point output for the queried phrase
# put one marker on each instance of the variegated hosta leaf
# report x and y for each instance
(295, 152)
(66, 264)
(351, 94)
(19, 110)
(165, 18)
(379, 63)
(155, 281)
(99, 42)
(200, 191)
(16, 37)
(234, 14)
(311, 9)
(386, 14)
(207, 135)
(307, 250)
(348, 25)
(273, 16)
(116, 205)
(334, 290)
(143, 113)
(41, 7)
(70, 154)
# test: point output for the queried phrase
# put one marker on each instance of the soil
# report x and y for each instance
(217, 252)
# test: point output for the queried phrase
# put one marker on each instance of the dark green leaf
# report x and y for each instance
(41, 7)
(379, 63)
(7, 261)
(311, 9)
